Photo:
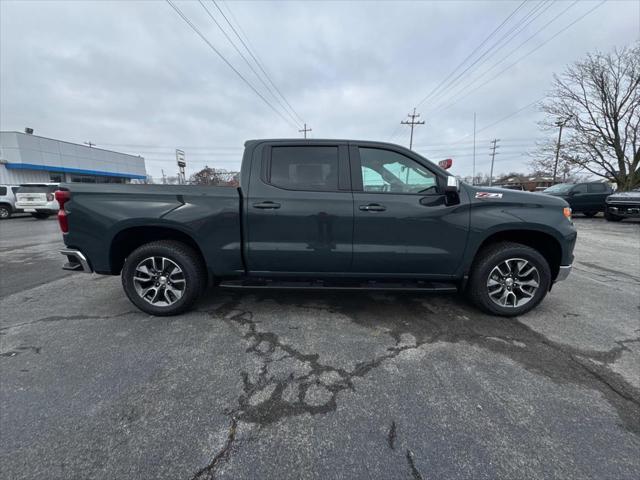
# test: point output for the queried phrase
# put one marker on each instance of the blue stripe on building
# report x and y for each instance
(49, 168)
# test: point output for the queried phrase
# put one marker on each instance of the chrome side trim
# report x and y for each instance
(77, 261)
(563, 273)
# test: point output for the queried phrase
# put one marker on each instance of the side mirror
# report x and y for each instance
(453, 184)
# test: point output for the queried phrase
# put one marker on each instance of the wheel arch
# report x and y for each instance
(128, 239)
(546, 244)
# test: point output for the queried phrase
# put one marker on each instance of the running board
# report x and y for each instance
(400, 286)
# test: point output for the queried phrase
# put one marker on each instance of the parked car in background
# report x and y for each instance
(587, 198)
(8, 201)
(511, 187)
(37, 199)
(623, 205)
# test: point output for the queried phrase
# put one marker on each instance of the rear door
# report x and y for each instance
(300, 210)
(579, 198)
(402, 224)
(598, 192)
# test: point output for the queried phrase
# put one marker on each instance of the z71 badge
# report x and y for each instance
(488, 195)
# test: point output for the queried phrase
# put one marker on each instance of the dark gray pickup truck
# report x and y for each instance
(324, 214)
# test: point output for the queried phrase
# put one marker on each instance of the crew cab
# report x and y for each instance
(323, 214)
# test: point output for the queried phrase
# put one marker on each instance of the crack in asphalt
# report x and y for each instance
(60, 318)
(391, 437)
(208, 471)
(415, 473)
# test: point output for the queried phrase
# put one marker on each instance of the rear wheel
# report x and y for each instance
(5, 212)
(164, 277)
(590, 214)
(40, 215)
(509, 279)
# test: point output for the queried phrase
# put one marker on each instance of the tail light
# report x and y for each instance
(63, 196)
(49, 197)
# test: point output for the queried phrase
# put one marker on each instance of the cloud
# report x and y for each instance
(133, 73)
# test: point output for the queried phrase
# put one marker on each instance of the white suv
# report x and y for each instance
(37, 199)
(8, 201)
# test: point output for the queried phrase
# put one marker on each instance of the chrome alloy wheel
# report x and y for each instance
(159, 281)
(513, 283)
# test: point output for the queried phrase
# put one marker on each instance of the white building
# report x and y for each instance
(28, 158)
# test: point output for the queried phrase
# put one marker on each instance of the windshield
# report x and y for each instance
(559, 188)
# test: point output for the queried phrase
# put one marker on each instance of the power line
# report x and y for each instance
(527, 54)
(217, 52)
(494, 47)
(295, 122)
(471, 54)
(524, 22)
(247, 46)
(447, 102)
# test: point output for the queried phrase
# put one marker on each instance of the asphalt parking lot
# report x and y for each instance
(317, 385)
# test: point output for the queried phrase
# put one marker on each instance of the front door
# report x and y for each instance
(300, 210)
(402, 224)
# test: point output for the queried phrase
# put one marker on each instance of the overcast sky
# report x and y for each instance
(132, 76)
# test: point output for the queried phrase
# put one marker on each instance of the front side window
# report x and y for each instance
(582, 188)
(384, 171)
(305, 168)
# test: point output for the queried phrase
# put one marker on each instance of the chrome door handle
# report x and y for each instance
(373, 207)
(266, 205)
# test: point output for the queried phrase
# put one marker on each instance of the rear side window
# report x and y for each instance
(3, 191)
(304, 168)
(597, 188)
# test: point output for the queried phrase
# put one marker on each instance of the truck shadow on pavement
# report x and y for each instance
(292, 382)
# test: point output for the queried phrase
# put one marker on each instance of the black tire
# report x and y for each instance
(610, 217)
(590, 214)
(496, 254)
(193, 271)
(5, 212)
(41, 215)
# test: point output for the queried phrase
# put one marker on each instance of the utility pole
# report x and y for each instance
(412, 122)
(561, 124)
(90, 143)
(473, 177)
(164, 178)
(493, 157)
(305, 130)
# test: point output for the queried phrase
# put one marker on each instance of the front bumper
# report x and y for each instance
(624, 210)
(76, 261)
(563, 272)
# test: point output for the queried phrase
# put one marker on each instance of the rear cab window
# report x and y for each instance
(37, 189)
(304, 168)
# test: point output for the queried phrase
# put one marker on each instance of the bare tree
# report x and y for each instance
(598, 100)
(211, 176)
(543, 161)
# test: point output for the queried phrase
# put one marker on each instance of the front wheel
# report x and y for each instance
(610, 217)
(164, 277)
(509, 279)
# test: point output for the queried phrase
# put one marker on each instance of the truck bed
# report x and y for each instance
(103, 216)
